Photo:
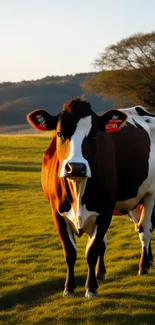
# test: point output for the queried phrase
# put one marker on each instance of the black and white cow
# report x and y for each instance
(96, 167)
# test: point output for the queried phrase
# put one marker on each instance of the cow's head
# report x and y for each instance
(75, 127)
(76, 130)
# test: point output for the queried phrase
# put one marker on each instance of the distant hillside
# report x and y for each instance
(50, 93)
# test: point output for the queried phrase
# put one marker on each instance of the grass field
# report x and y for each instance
(32, 267)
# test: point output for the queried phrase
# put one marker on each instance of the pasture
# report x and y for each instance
(32, 266)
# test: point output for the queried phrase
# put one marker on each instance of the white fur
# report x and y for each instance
(71, 237)
(92, 238)
(82, 130)
(133, 115)
(79, 219)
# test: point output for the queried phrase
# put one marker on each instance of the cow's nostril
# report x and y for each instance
(68, 168)
(75, 169)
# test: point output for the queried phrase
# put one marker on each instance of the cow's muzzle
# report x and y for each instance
(80, 232)
(75, 170)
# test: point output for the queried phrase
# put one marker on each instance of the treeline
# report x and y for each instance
(50, 93)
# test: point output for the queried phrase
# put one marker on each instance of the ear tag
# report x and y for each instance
(41, 122)
(113, 125)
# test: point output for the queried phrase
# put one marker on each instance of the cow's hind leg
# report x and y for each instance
(145, 229)
(100, 268)
(69, 247)
(150, 255)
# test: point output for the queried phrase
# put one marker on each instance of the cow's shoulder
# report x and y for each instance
(138, 111)
(138, 116)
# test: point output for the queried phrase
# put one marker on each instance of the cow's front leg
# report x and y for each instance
(69, 248)
(145, 229)
(93, 251)
(70, 255)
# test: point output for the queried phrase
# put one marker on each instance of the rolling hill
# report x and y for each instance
(50, 93)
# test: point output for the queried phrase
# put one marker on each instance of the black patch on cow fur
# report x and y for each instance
(153, 217)
(71, 113)
(142, 112)
(132, 146)
(141, 229)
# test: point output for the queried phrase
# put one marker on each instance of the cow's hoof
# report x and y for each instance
(150, 262)
(143, 272)
(100, 277)
(68, 293)
(91, 294)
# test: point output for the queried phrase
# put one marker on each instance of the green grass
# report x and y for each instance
(32, 266)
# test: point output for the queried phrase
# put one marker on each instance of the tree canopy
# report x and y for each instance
(126, 71)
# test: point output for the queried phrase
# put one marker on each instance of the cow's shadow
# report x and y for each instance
(28, 166)
(142, 316)
(35, 294)
(10, 186)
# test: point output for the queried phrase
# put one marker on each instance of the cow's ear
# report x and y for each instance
(112, 120)
(42, 120)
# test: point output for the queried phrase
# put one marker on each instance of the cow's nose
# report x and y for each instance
(75, 170)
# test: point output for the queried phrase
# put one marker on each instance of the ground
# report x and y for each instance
(32, 267)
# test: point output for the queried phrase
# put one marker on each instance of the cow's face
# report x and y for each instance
(73, 132)
(76, 127)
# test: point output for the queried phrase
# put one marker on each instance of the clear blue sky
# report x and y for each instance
(58, 37)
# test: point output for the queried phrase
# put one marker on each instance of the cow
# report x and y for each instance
(96, 167)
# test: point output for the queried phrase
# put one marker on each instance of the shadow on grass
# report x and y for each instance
(126, 319)
(32, 294)
(8, 186)
(143, 305)
(35, 294)
(108, 318)
(1, 205)
(20, 163)
(20, 168)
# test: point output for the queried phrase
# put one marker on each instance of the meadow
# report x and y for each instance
(32, 266)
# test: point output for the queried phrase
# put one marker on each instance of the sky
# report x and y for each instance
(40, 38)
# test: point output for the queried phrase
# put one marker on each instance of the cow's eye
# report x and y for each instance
(59, 134)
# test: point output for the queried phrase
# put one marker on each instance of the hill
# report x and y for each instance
(50, 93)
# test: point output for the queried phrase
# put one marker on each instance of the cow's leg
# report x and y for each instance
(92, 254)
(145, 229)
(100, 268)
(150, 255)
(69, 248)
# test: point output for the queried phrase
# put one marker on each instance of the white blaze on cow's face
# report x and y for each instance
(75, 155)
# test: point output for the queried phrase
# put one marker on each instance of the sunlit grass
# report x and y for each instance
(32, 266)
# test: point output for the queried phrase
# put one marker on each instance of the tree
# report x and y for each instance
(127, 71)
